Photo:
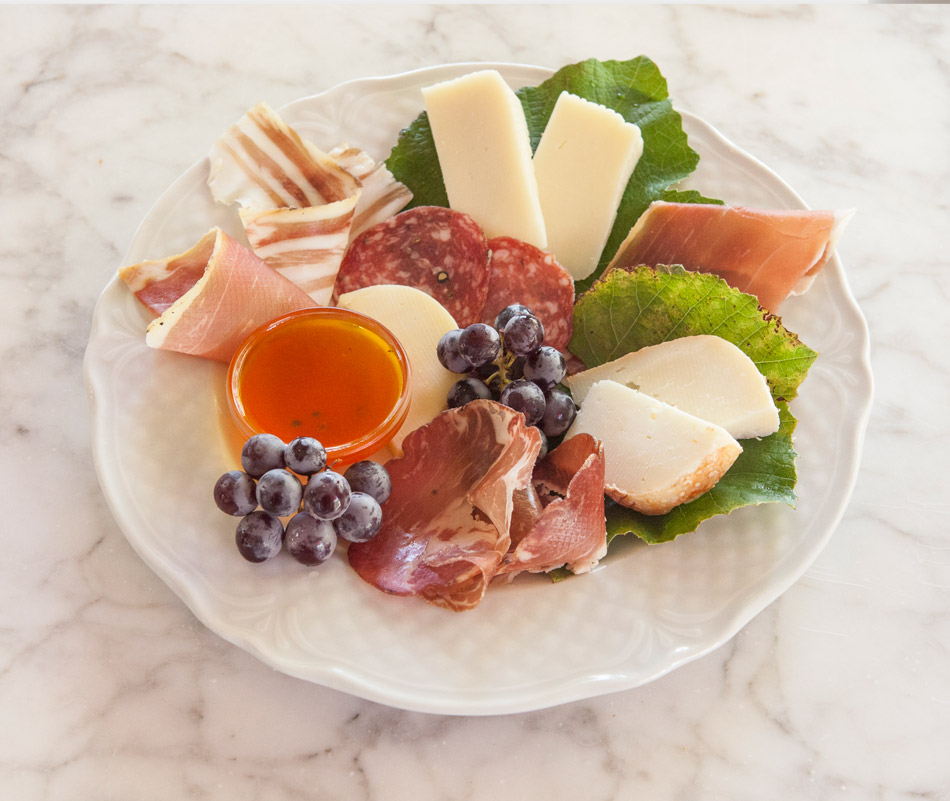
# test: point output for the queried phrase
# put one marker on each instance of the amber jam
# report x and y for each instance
(327, 373)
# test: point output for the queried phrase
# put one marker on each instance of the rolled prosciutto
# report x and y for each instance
(210, 297)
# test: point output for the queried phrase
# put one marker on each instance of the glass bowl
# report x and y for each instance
(329, 373)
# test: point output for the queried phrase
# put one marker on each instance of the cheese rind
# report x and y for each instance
(481, 137)
(418, 321)
(704, 375)
(657, 457)
(584, 160)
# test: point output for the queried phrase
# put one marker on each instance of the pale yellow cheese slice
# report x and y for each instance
(481, 137)
(418, 322)
(704, 375)
(584, 160)
(656, 456)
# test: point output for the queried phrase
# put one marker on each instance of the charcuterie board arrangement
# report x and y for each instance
(497, 472)
(594, 349)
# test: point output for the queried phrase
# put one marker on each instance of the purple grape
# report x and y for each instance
(361, 520)
(466, 390)
(369, 477)
(525, 397)
(259, 536)
(448, 352)
(326, 496)
(546, 367)
(261, 453)
(308, 540)
(279, 492)
(235, 493)
(523, 334)
(508, 312)
(559, 413)
(545, 445)
(305, 456)
(479, 344)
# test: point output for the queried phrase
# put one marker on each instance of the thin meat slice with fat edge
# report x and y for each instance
(768, 253)
(298, 204)
(446, 525)
(260, 162)
(571, 530)
(382, 195)
(305, 245)
(235, 293)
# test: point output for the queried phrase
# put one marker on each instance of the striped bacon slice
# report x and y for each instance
(262, 163)
(768, 253)
(298, 204)
(212, 314)
(382, 196)
(305, 245)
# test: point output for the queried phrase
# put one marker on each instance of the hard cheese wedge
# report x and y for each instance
(418, 322)
(657, 457)
(584, 160)
(481, 137)
(706, 376)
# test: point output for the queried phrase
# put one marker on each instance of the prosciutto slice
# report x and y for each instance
(446, 525)
(767, 253)
(211, 315)
(571, 530)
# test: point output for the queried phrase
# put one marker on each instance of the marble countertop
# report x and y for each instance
(109, 686)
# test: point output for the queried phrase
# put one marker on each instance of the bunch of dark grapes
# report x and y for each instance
(508, 362)
(328, 506)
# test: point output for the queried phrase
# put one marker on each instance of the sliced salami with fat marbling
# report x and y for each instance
(522, 273)
(440, 251)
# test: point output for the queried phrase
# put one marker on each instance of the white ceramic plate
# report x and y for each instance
(159, 445)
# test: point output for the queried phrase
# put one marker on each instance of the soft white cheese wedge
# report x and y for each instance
(656, 456)
(706, 376)
(481, 137)
(584, 160)
(418, 322)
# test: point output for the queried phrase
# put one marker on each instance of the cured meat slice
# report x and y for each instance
(382, 196)
(235, 293)
(440, 251)
(159, 283)
(571, 529)
(262, 163)
(523, 273)
(446, 525)
(305, 245)
(767, 253)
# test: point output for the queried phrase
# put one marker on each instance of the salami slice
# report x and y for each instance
(440, 251)
(522, 273)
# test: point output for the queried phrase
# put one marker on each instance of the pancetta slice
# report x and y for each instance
(767, 253)
(446, 525)
(297, 203)
(262, 163)
(235, 293)
(382, 196)
(571, 530)
(305, 245)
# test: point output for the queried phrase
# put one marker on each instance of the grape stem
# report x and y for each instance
(503, 362)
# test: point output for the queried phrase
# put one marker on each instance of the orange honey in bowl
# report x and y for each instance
(327, 373)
